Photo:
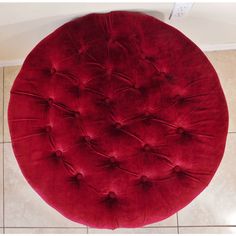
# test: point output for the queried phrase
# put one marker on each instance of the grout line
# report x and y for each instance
(3, 174)
(2, 148)
(207, 226)
(183, 226)
(42, 227)
(2, 74)
(68, 227)
(87, 231)
(177, 218)
(154, 227)
(162, 226)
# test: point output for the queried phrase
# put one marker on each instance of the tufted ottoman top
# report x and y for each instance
(117, 120)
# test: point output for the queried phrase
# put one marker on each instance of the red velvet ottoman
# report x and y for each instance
(117, 120)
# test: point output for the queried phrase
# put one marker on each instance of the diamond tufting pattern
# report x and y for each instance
(117, 120)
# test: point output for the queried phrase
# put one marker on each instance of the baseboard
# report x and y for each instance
(217, 47)
(204, 47)
(11, 63)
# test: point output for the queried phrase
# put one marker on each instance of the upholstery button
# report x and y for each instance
(177, 169)
(109, 70)
(118, 125)
(112, 159)
(110, 200)
(87, 138)
(107, 37)
(156, 77)
(79, 176)
(169, 77)
(58, 153)
(145, 183)
(53, 71)
(76, 179)
(112, 195)
(144, 178)
(148, 116)
(135, 86)
(111, 40)
(107, 100)
(76, 89)
(82, 49)
(134, 35)
(113, 162)
(161, 74)
(149, 58)
(179, 99)
(76, 114)
(147, 147)
(48, 128)
(50, 101)
(180, 130)
(142, 55)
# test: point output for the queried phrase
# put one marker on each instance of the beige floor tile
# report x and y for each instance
(10, 74)
(46, 231)
(207, 230)
(162, 230)
(23, 207)
(1, 230)
(1, 103)
(1, 185)
(216, 205)
(224, 63)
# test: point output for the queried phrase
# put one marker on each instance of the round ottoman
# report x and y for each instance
(117, 120)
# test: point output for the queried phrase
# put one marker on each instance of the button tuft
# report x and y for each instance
(53, 71)
(144, 178)
(76, 114)
(58, 153)
(112, 159)
(107, 100)
(135, 86)
(169, 77)
(48, 128)
(113, 162)
(50, 101)
(118, 125)
(79, 176)
(149, 58)
(87, 138)
(109, 69)
(180, 130)
(111, 195)
(145, 183)
(147, 147)
(177, 169)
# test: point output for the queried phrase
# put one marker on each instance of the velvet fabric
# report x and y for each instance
(117, 120)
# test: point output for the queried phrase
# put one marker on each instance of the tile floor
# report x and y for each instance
(213, 211)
